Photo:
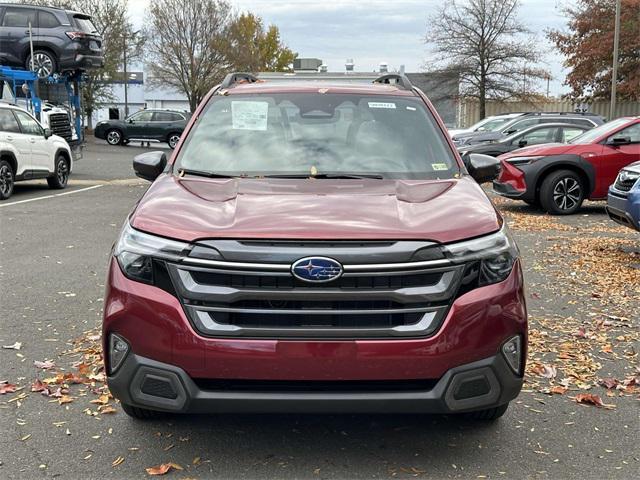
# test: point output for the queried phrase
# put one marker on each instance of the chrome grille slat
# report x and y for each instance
(226, 292)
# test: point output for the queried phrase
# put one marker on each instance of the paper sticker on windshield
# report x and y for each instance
(249, 115)
(382, 105)
(439, 166)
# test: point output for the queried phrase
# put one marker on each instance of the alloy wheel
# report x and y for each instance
(62, 172)
(6, 180)
(567, 193)
(173, 140)
(113, 137)
(43, 65)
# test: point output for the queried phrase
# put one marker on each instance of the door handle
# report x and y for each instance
(9, 139)
(32, 140)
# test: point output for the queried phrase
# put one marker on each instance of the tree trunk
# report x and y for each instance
(482, 96)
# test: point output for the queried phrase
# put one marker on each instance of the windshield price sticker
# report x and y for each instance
(439, 166)
(249, 115)
(381, 105)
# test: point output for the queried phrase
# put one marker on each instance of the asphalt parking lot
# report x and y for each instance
(583, 291)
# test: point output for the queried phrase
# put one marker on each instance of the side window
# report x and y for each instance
(175, 117)
(28, 124)
(541, 135)
(633, 132)
(142, 116)
(580, 121)
(47, 20)
(521, 125)
(8, 122)
(162, 117)
(19, 17)
(570, 133)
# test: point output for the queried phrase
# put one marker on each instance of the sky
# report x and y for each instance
(374, 31)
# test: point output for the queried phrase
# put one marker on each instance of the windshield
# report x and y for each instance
(495, 123)
(592, 135)
(84, 24)
(309, 134)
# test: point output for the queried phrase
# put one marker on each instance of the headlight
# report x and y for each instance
(628, 177)
(136, 251)
(523, 160)
(494, 254)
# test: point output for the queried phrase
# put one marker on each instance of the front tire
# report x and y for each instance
(114, 137)
(562, 192)
(7, 179)
(44, 63)
(141, 413)
(61, 172)
(173, 140)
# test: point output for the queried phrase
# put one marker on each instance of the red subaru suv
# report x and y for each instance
(559, 177)
(315, 247)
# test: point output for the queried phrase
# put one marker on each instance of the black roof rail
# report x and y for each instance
(398, 79)
(237, 77)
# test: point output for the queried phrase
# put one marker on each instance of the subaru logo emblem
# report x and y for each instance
(316, 269)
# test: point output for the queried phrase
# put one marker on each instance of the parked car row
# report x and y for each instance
(28, 151)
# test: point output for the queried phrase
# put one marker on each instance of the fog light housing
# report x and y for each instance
(512, 352)
(118, 349)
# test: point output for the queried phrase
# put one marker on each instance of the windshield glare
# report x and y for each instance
(313, 133)
(591, 135)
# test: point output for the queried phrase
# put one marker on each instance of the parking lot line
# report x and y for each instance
(50, 196)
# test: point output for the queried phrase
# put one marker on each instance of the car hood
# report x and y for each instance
(633, 167)
(189, 209)
(545, 149)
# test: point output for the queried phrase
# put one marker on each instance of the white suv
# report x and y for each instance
(29, 151)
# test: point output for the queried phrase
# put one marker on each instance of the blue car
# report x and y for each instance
(623, 202)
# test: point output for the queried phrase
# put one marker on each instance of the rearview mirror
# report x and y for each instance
(510, 131)
(149, 165)
(47, 133)
(619, 141)
(483, 168)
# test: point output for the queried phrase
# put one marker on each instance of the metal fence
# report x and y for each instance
(469, 111)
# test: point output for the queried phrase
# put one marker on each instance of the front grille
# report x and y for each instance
(60, 125)
(246, 298)
(626, 184)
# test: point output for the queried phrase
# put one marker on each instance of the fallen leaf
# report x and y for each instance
(65, 399)
(117, 461)
(104, 409)
(559, 390)
(38, 386)
(589, 399)
(46, 365)
(608, 383)
(15, 346)
(6, 387)
(163, 468)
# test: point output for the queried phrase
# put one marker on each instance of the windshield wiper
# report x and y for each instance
(331, 176)
(202, 173)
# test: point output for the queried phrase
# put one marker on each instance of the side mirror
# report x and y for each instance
(481, 129)
(130, 120)
(47, 133)
(483, 168)
(149, 165)
(619, 141)
(522, 143)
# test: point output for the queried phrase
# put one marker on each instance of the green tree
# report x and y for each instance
(251, 48)
(588, 48)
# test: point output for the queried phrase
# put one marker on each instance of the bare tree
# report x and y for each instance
(484, 45)
(186, 45)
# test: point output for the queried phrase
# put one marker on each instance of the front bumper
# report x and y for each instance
(150, 384)
(618, 210)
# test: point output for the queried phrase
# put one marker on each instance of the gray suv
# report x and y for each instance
(63, 40)
(524, 121)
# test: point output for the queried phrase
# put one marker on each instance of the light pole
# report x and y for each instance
(614, 73)
(126, 78)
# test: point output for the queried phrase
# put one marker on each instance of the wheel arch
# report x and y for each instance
(574, 163)
(41, 46)
(10, 157)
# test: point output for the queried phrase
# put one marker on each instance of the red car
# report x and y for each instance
(315, 248)
(559, 177)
